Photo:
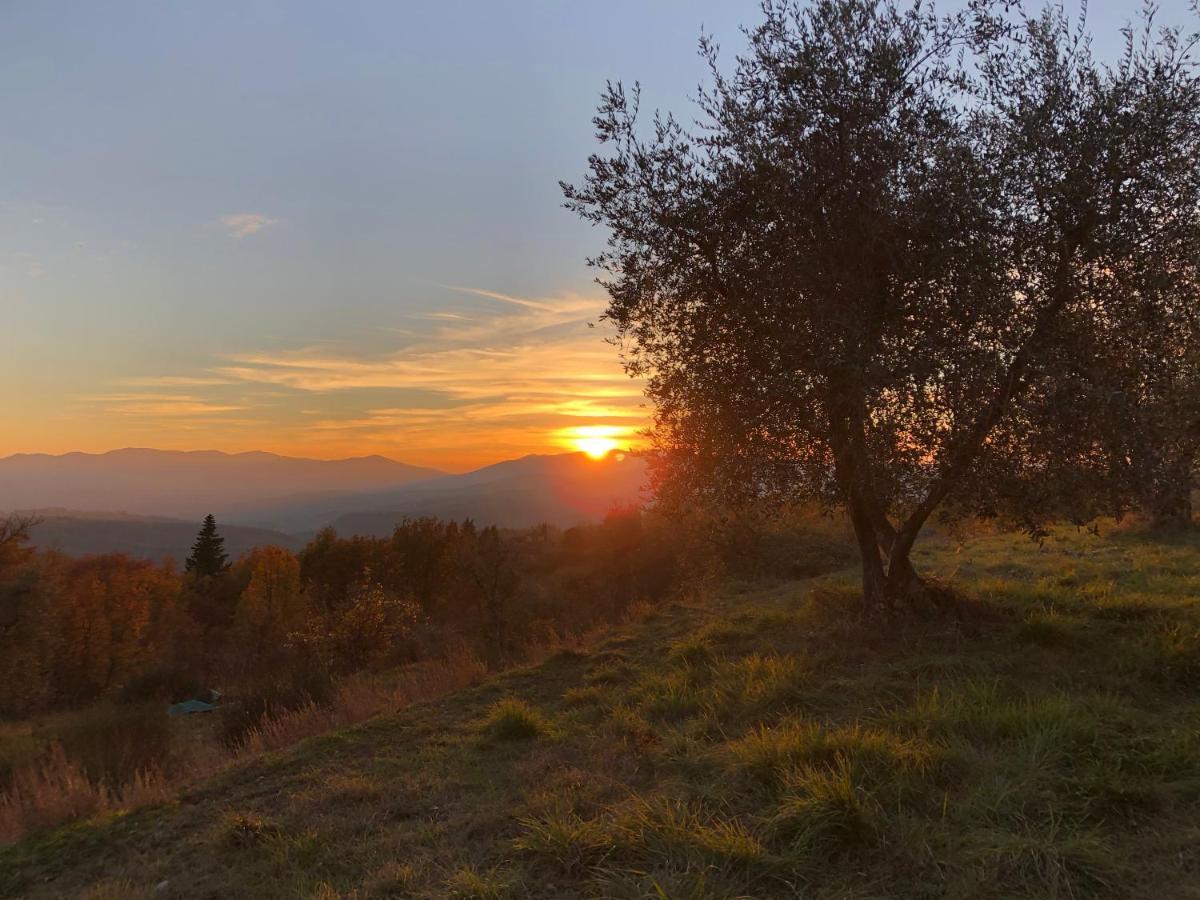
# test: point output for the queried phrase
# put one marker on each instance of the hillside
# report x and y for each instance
(564, 489)
(761, 743)
(241, 487)
(262, 498)
(145, 537)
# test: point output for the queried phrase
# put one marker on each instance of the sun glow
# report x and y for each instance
(597, 441)
(596, 447)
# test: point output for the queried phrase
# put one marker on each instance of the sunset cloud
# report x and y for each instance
(168, 405)
(240, 225)
(175, 381)
(467, 384)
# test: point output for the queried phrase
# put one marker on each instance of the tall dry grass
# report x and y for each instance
(360, 698)
(57, 788)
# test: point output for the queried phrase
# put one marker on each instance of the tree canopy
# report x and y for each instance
(905, 261)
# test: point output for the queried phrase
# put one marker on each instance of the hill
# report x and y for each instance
(239, 487)
(564, 489)
(762, 743)
(146, 495)
(146, 537)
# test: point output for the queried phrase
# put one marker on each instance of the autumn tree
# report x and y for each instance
(102, 618)
(15, 532)
(875, 272)
(271, 607)
(373, 628)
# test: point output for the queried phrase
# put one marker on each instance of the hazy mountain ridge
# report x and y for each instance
(149, 537)
(241, 487)
(144, 516)
(564, 489)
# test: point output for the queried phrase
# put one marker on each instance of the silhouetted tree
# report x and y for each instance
(876, 272)
(488, 564)
(208, 558)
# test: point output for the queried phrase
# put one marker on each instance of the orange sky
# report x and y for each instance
(486, 377)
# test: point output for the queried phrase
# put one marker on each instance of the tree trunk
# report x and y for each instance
(874, 583)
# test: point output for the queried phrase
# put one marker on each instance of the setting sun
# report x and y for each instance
(596, 447)
(597, 441)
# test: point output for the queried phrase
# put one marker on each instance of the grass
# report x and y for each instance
(512, 719)
(758, 743)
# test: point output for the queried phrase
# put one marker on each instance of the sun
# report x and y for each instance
(596, 447)
(597, 441)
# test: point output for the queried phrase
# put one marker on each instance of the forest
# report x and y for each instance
(96, 648)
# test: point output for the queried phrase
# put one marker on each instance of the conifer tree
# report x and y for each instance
(208, 553)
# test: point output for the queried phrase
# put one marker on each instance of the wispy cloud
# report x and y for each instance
(468, 384)
(495, 295)
(175, 381)
(164, 405)
(240, 225)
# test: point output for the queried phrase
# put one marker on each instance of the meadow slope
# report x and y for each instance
(756, 743)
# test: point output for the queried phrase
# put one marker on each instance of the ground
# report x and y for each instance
(760, 742)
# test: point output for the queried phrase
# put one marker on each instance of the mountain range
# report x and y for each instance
(190, 484)
(148, 502)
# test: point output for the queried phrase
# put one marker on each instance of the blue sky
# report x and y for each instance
(318, 228)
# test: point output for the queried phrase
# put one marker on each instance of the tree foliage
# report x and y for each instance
(276, 629)
(887, 266)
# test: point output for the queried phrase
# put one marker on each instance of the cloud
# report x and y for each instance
(175, 381)
(159, 405)
(240, 225)
(494, 295)
(468, 384)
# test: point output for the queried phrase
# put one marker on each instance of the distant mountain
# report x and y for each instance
(564, 489)
(153, 500)
(83, 533)
(256, 488)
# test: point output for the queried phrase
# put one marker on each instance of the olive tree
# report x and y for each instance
(878, 268)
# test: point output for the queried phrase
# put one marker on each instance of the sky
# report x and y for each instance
(322, 229)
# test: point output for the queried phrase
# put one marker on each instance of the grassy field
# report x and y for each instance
(759, 743)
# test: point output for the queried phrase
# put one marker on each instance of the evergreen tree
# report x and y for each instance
(208, 553)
